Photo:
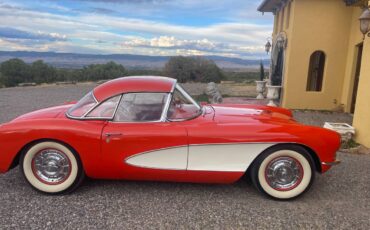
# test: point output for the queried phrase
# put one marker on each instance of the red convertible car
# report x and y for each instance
(149, 128)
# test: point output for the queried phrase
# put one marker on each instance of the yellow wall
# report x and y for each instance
(355, 38)
(332, 27)
(316, 25)
(328, 25)
(362, 112)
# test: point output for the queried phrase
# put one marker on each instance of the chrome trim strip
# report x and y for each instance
(88, 111)
(336, 162)
(81, 117)
(174, 86)
(97, 118)
(92, 92)
(187, 96)
(104, 118)
(115, 111)
(135, 122)
(166, 108)
(188, 147)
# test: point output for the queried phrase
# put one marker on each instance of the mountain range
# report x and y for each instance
(75, 60)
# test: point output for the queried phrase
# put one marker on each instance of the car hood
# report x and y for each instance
(244, 113)
(51, 112)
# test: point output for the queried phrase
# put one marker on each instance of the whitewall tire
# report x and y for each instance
(51, 167)
(283, 172)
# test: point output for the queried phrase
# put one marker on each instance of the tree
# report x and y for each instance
(14, 71)
(106, 71)
(179, 68)
(262, 71)
(43, 73)
(1, 80)
(193, 69)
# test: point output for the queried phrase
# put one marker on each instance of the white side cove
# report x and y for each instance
(209, 157)
(172, 158)
(224, 157)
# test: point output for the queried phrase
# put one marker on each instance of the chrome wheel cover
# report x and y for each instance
(51, 166)
(284, 173)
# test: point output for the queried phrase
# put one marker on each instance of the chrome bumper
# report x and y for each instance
(336, 162)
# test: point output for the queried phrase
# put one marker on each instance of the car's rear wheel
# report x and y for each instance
(52, 167)
(283, 172)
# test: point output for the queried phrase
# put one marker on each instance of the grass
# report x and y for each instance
(242, 77)
(349, 144)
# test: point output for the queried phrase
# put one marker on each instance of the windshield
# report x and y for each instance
(183, 106)
(83, 106)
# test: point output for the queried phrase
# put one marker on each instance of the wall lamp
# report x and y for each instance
(365, 22)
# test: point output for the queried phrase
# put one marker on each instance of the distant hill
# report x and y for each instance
(74, 60)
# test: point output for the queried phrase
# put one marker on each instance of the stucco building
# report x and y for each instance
(322, 57)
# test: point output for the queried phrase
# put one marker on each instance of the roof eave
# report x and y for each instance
(262, 5)
(269, 6)
(355, 2)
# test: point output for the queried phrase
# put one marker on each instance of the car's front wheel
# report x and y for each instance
(52, 167)
(283, 172)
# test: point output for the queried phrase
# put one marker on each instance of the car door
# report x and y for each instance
(139, 144)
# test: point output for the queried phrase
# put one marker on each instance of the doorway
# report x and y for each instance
(357, 76)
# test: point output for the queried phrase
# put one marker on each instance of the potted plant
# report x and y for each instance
(261, 84)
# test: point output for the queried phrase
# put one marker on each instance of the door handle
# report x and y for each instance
(113, 134)
(109, 135)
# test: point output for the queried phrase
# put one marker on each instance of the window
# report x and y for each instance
(105, 109)
(316, 71)
(182, 106)
(83, 106)
(141, 107)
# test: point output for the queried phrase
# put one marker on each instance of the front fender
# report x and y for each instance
(323, 142)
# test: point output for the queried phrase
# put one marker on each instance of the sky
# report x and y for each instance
(231, 28)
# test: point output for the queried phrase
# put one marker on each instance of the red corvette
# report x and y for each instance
(149, 128)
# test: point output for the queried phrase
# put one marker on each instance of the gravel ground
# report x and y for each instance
(339, 199)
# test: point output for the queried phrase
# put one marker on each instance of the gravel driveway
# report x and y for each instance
(338, 199)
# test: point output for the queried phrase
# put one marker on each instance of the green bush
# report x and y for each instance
(15, 71)
(196, 69)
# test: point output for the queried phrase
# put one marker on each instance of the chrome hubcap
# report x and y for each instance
(51, 166)
(284, 173)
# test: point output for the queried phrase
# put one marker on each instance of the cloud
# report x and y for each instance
(12, 33)
(171, 42)
(100, 10)
(172, 46)
(126, 1)
(87, 31)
